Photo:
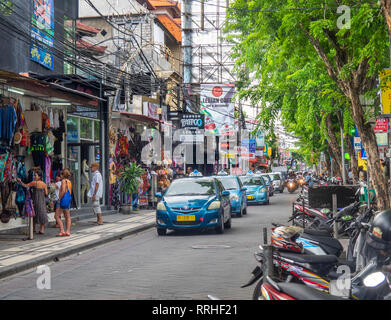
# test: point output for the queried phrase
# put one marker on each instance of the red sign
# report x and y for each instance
(381, 125)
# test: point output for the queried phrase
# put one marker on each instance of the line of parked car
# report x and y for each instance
(199, 202)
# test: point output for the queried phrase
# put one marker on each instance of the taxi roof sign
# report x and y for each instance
(222, 173)
(195, 173)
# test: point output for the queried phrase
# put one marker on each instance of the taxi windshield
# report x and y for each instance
(187, 187)
(229, 183)
(267, 178)
(251, 181)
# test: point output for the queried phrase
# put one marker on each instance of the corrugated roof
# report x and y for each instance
(171, 26)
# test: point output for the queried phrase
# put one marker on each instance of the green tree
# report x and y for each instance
(308, 55)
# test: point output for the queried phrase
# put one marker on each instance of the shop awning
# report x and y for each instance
(47, 89)
(143, 118)
(140, 117)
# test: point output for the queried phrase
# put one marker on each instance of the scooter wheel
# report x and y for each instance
(257, 293)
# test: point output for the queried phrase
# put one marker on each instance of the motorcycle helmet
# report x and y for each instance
(284, 238)
(379, 234)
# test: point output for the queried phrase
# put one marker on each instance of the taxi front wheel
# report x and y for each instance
(161, 231)
(220, 228)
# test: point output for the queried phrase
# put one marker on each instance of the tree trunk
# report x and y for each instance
(349, 149)
(369, 143)
(334, 145)
(328, 163)
(386, 7)
(336, 169)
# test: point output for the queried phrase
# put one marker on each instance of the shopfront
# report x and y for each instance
(49, 128)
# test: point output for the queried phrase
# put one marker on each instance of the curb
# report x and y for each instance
(55, 256)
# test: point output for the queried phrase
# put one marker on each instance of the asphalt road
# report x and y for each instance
(180, 265)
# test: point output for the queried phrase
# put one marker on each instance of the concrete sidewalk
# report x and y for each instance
(18, 254)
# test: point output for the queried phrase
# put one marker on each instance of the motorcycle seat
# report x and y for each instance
(303, 292)
(327, 259)
(322, 233)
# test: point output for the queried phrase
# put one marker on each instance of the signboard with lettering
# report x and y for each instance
(192, 121)
(381, 125)
(42, 32)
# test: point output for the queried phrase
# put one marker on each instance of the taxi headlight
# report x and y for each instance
(214, 205)
(161, 207)
(234, 197)
(263, 190)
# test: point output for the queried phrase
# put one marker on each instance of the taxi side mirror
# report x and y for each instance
(225, 193)
(158, 195)
(244, 189)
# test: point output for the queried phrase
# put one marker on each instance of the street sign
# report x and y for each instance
(357, 143)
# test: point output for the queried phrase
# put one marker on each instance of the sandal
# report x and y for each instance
(67, 234)
(61, 234)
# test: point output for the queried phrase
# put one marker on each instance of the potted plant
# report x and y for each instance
(129, 180)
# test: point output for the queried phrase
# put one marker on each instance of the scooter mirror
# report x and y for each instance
(374, 279)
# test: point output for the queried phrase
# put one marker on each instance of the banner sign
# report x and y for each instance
(42, 32)
(218, 109)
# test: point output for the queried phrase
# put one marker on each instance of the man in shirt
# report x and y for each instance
(96, 191)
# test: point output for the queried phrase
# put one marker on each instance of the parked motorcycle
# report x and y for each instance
(272, 290)
(319, 271)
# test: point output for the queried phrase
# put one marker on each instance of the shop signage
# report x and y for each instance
(42, 32)
(190, 138)
(381, 125)
(192, 121)
(385, 84)
(259, 153)
(249, 144)
(260, 140)
(382, 139)
(174, 115)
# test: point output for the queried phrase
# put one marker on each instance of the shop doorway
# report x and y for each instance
(81, 155)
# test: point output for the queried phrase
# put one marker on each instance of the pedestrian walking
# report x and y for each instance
(64, 204)
(39, 192)
(96, 191)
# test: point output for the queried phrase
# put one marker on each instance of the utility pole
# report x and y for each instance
(343, 152)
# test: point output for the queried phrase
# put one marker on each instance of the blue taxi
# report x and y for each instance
(193, 203)
(257, 190)
(237, 192)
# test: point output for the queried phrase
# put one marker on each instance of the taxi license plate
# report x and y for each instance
(185, 218)
(250, 197)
